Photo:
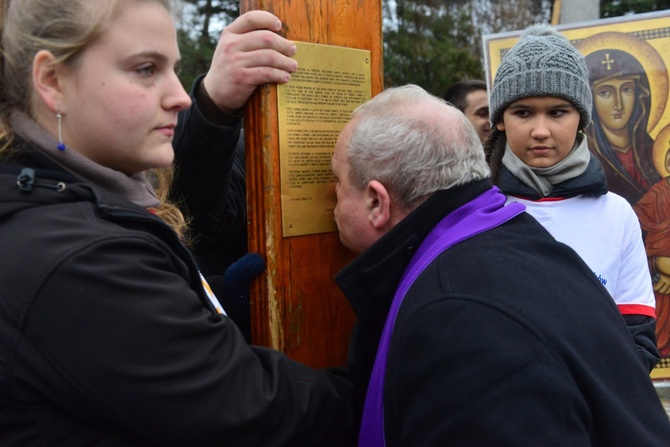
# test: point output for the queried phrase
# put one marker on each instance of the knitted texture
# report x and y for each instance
(542, 63)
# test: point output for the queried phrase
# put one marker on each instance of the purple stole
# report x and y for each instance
(485, 212)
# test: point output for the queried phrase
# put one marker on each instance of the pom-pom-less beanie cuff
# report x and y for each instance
(541, 82)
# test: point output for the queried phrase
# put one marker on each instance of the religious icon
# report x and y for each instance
(618, 133)
(619, 136)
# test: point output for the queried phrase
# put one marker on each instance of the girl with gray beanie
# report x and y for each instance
(540, 103)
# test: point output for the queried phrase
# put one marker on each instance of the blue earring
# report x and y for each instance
(59, 118)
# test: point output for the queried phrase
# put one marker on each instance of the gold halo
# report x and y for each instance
(649, 58)
(661, 147)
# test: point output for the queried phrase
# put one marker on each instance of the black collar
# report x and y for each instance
(590, 183)
(371, 279)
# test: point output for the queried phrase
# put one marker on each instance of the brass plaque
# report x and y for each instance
(313, 108)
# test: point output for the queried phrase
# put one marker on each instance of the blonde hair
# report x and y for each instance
(168, 211)
(65, 28)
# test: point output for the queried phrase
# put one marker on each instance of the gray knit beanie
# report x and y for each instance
(542, 63)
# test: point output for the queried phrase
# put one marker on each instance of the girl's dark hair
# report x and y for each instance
(494, 148)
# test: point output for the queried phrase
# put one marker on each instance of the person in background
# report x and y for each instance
(540, 102)
(475, 327)
(109, 333)
(210, 180)
(471, 98)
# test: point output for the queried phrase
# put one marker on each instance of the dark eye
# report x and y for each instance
(146, 70)
(522, 113)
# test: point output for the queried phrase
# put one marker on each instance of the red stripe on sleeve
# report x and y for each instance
(637, 309)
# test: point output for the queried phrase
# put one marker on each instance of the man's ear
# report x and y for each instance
(46, 80)
(378, 204)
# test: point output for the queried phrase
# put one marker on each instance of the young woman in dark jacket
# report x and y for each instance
(109, 334)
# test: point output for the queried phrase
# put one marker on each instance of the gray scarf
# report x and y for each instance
(135, 188)
(542, 180)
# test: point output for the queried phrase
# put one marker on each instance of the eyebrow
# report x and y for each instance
(150, 54)
(562, 105)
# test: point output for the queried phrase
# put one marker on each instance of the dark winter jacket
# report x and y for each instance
(591, 183)
(107, 337)
(210, 183)
(506, 339)
(210, 187)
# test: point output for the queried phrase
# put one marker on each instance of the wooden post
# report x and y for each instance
(296, 306)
